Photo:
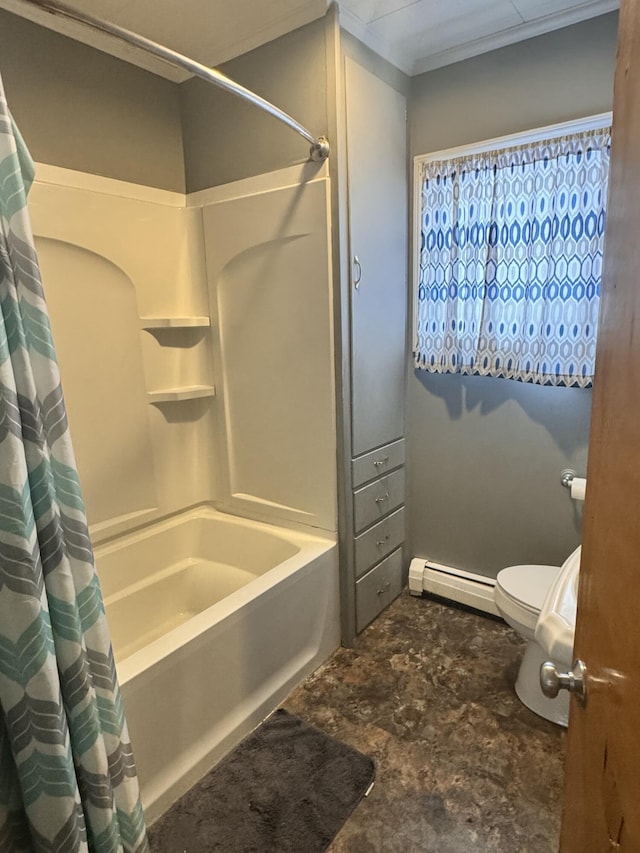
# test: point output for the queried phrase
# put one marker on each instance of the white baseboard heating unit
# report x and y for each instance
(454, 584)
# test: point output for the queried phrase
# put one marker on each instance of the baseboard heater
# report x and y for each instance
(454, 584)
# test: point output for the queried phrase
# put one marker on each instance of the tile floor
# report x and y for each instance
(462, 766)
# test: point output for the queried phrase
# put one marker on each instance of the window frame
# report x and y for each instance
(538, 134)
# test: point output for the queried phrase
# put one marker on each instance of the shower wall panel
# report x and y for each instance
(194, 376)
(112, 254)
(268, 258)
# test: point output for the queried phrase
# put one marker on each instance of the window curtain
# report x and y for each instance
(67, 775)
(511, 261)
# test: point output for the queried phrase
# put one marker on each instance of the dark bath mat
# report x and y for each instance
(287, 788)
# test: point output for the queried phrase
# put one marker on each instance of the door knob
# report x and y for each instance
(575, 681)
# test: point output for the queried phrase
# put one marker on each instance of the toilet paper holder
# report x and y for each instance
(577, 485)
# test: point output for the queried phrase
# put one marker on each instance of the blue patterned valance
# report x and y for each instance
(511, 261)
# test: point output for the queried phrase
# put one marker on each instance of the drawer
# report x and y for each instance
(378, 588)
(380, 540)
(376, 463)
(376, 500)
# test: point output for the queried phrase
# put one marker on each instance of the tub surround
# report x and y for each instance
(268, 247)
(195, 338)
(184, 317)
(112, 253)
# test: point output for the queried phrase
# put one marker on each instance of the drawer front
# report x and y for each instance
(377, 499)
(382, 539)
(377, 463)
(378, 588)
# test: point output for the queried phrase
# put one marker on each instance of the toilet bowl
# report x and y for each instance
(539, 602)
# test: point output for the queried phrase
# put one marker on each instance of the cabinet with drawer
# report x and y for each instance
(377, 463)
(373, 314)
(378, 588)
(374, 544)
(378, 529)
(373, 502)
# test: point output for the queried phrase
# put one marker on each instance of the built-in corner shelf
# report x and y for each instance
(193, 322)
(185, 392)
(184, 323)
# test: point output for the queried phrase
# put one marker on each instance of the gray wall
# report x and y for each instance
(485, 454)
(82, 109)
(226, 139)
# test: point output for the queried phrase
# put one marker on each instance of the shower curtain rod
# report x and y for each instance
(319, 146)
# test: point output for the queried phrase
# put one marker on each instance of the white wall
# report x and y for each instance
(268, 249)
(110, 254)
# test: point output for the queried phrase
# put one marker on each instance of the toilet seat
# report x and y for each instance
(520, 593)
(557, 620)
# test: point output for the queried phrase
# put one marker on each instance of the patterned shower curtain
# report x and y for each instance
(511, 260)
(67, 775)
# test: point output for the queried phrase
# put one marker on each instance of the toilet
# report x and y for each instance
(539, 602)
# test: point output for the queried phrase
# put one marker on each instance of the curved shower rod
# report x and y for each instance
(319, 146)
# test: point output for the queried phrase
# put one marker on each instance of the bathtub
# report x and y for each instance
(214, 619)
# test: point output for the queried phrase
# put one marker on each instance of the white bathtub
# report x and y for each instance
(214, 619)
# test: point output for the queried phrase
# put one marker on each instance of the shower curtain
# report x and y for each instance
(67, 774)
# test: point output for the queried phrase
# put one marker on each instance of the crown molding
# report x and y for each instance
(360, 30)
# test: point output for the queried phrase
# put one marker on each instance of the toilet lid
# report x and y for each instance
(528, 585)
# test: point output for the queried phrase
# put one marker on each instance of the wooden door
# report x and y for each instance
(602, 779)
(377, 174)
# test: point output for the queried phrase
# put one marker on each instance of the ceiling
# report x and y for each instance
(415, 35)
(419, 35)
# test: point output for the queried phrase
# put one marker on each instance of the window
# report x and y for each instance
(510, 243)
